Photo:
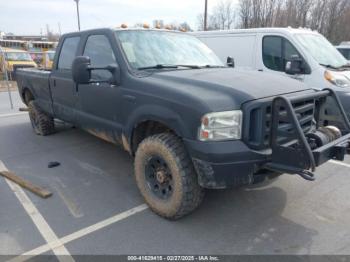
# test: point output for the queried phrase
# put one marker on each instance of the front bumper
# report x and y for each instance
(233, 163)
(225, 164)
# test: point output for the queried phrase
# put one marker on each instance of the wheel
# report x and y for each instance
(42, 123)
(166, 177)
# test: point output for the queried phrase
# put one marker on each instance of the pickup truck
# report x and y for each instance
(191, 122)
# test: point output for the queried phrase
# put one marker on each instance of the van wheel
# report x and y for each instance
(42, 123)
(166, 177)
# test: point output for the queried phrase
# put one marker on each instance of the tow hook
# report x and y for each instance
(307, 175)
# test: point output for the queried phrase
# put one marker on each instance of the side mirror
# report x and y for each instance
(81, 70)
(230, 61)
(295, 66)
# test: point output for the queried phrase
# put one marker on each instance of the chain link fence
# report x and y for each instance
(6, 83)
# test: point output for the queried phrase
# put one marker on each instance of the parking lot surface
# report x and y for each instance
(97, 209)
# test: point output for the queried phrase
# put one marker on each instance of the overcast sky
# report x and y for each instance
(31, 16)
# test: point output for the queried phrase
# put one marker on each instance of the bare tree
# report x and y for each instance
(330, 17)
(222, 17)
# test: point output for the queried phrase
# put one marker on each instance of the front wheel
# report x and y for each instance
(42, 123)
(165, 176)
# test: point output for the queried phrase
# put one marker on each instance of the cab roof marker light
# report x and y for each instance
(124, 26)
(146, 26)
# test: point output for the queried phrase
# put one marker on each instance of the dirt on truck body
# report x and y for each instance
(190, 121)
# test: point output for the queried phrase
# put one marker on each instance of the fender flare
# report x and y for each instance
(156, 113)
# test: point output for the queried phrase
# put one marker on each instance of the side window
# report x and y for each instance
(272, 53)
(277, 51)
(68, 51)
(345, 53)
(99, 49)
(289, 51)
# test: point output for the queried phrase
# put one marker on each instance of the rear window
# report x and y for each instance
(68, 52)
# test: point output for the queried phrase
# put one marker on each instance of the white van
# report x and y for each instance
(299, 53)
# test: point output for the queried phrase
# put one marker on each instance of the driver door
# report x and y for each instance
(99, 103)
(276, 52)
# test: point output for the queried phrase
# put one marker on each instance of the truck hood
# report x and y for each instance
(241, 85)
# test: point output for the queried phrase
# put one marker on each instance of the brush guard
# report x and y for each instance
(298, 156)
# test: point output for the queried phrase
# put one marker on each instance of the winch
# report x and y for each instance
(323, 136)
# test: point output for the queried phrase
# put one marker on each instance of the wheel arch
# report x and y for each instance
(27, 95)
(157, 119)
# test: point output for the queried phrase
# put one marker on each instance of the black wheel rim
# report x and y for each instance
(159, 178)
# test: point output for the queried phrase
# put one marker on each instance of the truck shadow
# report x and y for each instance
(235, 221)
(249, 221)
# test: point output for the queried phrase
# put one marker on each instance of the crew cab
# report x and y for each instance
(190, 121)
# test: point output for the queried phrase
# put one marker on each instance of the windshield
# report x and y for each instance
(18, 56)
(150, 48)
(51, 55)
(321, 50)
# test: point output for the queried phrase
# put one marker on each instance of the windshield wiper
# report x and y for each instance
(165, 66)
(159, 66)
(345, 66)
(329, 66)
(213, 66)
(336, 68)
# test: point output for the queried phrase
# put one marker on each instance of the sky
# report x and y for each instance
(28, 17)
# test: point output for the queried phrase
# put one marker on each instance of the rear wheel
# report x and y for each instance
(166, 177)
(42, 123)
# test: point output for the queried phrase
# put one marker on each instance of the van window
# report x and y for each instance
(68, 52)
(100, 52)
(277, 51)
(345, 52)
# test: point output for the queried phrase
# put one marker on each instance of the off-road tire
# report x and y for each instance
(187, 193)
(42, 124)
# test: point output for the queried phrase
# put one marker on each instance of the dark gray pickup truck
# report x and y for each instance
(190, 121)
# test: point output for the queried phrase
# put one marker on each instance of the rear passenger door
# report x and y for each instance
(63, 88)
(100, 103)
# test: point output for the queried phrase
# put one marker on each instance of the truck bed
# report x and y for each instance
(37, 81)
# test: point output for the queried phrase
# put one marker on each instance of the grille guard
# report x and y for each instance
(296, 156)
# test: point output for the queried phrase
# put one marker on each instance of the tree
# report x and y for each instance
(329, 17)
(222, 17)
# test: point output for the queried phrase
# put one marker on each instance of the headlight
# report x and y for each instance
(221, 126)
(337, 79)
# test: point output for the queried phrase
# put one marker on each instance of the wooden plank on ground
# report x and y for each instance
(26, 184)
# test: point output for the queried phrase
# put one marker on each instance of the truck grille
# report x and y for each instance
(258, 121)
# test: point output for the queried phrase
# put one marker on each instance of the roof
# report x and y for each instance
(5, 49)
(13, 41)
(343, 46)
(259, 30)
(120, 29)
